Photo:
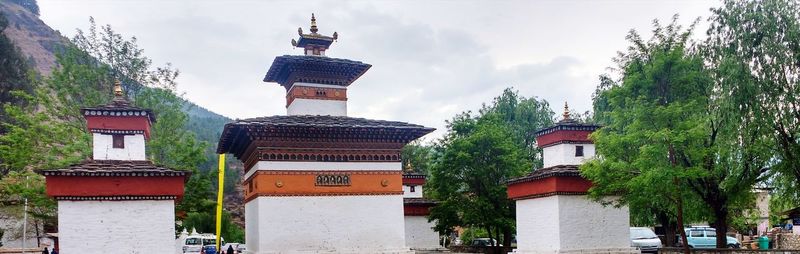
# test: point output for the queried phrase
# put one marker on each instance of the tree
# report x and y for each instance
(524, 116)
(669, 126)
(469, 180)
(416, 155)
(471, 164)
(754, 48)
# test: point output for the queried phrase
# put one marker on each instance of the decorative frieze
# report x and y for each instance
(337, 179)
(316, 183)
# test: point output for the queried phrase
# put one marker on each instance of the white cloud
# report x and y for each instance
(430, 60)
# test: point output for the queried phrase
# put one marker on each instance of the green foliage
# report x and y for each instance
(205, 222)
(18, 186)
(524, 116)
(479, 154)
(670, 125)
(417, 156)
(656, 109)
(754, 47)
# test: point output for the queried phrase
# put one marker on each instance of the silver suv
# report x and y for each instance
(645, 240)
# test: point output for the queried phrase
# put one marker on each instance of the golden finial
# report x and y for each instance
(313, 24)
(566, 111)
(117, 89)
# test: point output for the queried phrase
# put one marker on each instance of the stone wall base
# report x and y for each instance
(580, 251)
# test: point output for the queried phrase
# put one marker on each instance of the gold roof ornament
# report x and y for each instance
(118, 89)
(313, 24)
(566, 111)
(314, 43)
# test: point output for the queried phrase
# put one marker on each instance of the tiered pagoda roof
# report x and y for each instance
(236, 135)
(314, 66)
(288, 69)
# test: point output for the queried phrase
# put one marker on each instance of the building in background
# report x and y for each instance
(416, 208)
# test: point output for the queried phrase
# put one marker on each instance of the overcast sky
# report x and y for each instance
(431, 59)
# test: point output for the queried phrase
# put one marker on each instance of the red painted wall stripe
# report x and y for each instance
(410, 210)
(137, 123)
(413, 181)
(87, 186)
(548, 185)
(562, 135)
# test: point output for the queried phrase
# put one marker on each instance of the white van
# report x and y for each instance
(194, 242)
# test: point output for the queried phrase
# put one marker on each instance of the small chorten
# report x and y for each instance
(118, 194)
(556, 196)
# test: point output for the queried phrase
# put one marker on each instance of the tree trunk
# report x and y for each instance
(507, 235)
(669, 229)
(721, 224)
(679, 200)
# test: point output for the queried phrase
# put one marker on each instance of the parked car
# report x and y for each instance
(209, 249)
(706, 238)
(645, 240)
(481, 242)
(195, 242)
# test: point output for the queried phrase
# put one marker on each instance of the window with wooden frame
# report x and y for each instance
(118, 141)
(578, 151)
(412, 188)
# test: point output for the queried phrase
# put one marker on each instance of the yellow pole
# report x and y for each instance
(221, 178)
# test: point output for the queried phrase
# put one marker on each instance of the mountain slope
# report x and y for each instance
(33, 37)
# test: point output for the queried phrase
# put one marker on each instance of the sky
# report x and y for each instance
(430, 59)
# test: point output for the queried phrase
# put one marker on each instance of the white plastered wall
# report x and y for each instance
(420, 234)
(564, 154)
(571, 224)
(103, 149)
(101, 227)
(326, 224)
(408, 194)
(302, 106)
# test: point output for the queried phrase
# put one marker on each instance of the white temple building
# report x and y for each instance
(554, 215)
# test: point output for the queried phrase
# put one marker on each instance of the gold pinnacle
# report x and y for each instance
(117, 89)
(313, 24)
(566, 111)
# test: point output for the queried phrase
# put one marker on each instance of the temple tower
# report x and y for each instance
(554, 215)
(116, 202)
(419, 232)
(315, 179)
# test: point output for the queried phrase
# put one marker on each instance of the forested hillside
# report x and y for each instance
(45, 78)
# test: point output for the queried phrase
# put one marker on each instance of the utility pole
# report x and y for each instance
(25, 221)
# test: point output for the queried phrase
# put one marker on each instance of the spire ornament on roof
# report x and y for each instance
(119, 95)
(313, 24)
(314, 43)
(566, 112)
